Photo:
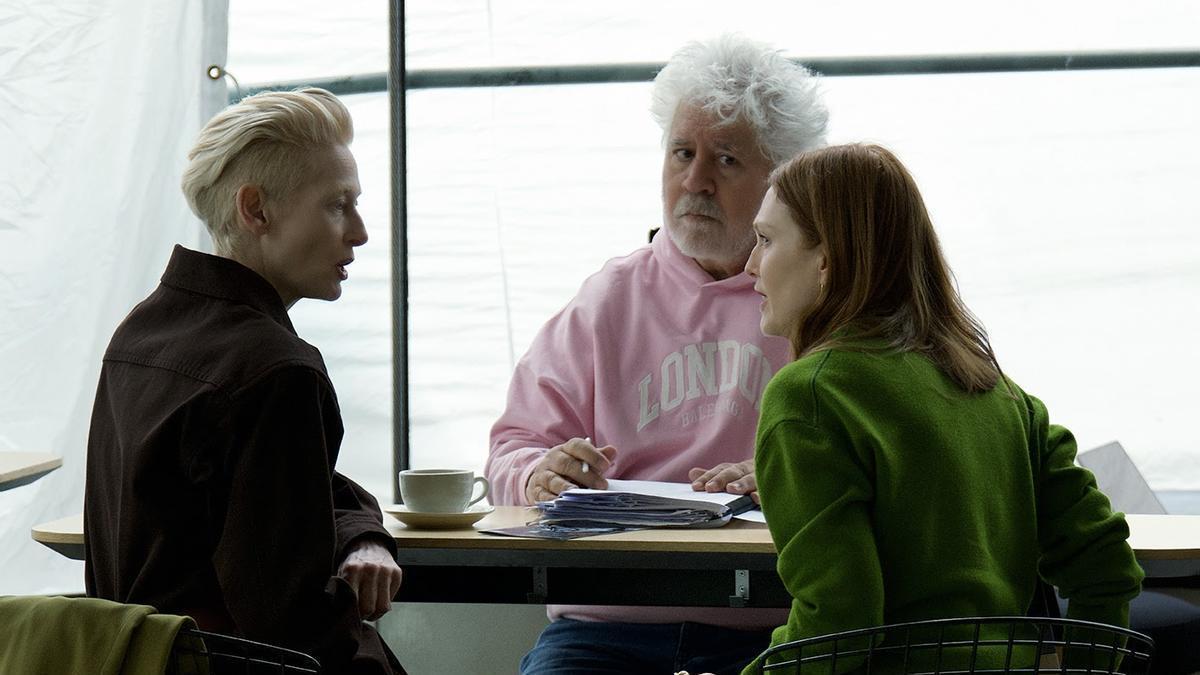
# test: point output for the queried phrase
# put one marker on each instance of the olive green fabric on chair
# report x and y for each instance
(44, 635)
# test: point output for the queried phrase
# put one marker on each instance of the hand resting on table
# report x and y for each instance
(732, 477)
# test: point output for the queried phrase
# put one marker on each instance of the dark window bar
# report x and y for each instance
(945, 64)
(396, 81)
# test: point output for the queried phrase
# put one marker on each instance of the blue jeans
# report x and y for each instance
(595, 648)
(1173, 624)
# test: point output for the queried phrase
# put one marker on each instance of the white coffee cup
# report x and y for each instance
(440, 490)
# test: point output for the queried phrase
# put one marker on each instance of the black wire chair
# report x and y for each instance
(198, 652)
(970, 645)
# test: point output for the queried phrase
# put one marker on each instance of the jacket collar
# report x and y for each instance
(227, 279)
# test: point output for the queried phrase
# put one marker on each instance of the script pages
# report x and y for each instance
(633, 503)
(629, 505)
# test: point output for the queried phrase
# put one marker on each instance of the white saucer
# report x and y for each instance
(439, 521)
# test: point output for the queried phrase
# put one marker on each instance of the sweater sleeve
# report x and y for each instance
(1084, 552)
(816, 493)
(551, 399)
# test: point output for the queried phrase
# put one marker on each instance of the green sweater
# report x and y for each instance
(892, 495)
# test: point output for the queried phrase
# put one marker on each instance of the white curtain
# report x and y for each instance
(99, 102)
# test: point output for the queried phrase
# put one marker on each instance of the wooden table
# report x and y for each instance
(729, 566)
(63, 536)
(21, 468)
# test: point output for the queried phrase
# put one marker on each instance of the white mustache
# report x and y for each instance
(700, 205)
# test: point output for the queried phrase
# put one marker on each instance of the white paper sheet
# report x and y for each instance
(683, 491)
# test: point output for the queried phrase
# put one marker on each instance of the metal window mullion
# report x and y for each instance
(856, 66)
(397, 86)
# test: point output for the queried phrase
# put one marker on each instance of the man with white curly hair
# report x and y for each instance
(655, 369)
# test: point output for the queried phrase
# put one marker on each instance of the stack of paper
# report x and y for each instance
(638, 504)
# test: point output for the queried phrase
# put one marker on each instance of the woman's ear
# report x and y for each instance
(251, 209)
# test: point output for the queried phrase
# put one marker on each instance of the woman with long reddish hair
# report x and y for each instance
(903, 476)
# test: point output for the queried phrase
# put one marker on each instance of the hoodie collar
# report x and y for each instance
(672, 258)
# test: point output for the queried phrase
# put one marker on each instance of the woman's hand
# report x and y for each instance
(374, 576)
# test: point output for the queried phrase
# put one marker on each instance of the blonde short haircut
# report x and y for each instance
(263, 140)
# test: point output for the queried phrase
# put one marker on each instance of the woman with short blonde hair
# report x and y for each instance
(212, 488)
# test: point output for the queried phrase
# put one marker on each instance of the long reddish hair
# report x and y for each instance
(886, 276)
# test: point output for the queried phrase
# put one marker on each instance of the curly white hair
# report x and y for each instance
(736, 78)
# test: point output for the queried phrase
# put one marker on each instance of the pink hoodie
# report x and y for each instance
(660, 361)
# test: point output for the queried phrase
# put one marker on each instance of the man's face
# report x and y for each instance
(713, 181)
(312, 234)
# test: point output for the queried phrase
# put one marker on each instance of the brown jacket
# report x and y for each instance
(210, 482)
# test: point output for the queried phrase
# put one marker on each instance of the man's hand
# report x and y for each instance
(735, 479)
(374, 575)
(561, 468)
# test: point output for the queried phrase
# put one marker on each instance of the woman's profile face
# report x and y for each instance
(788, 269)
(315, 230)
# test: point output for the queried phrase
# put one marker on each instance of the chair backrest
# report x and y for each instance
(199, 652)
(968, 645)
(1119, 478)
